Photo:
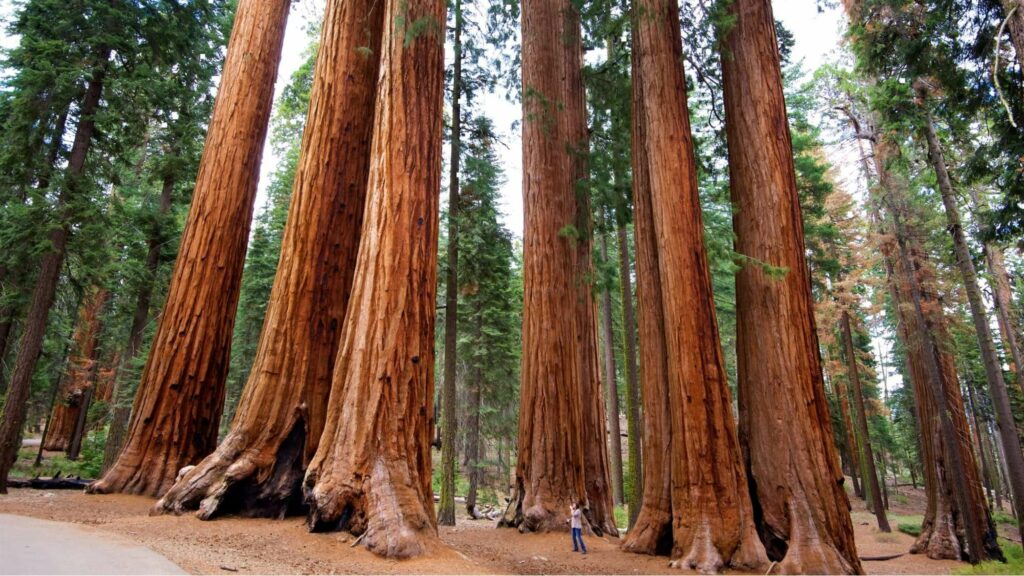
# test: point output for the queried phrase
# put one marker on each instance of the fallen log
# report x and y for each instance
(881, 558)
(55, 483)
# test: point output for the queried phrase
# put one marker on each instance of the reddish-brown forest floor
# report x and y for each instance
(229, 545)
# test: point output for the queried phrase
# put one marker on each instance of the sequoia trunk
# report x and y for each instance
(993, 367)
(257, 469)
(371, 474)
(554, 467)
(708, 512)
(69, 402)
(180, 397)
(51, 263)
(803, 511)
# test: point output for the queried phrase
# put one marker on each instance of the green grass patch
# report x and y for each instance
(901, 499)
(908, 524)
(88, 465)
(621, 518)
(1014, 562)
(1001, 517)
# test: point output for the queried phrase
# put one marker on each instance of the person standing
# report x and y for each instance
(576, 519)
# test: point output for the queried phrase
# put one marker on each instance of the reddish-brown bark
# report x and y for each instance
(257, 469)
(371, 474)
(51, 263)
(80, 376)
(178, 405)
(955, 509)
(803, 511)
(702, 503)
(562, 448)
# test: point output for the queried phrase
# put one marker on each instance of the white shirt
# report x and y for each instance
(577, 519)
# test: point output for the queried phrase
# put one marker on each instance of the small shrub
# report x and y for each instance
(911, 529)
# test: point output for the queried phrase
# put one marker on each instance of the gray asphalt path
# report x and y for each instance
(31, 546)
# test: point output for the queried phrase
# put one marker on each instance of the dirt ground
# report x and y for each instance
(230, 545)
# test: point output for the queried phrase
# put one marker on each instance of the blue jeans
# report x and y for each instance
(577, 536)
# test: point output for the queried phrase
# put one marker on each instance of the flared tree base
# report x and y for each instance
(262, 481)
(382, 509)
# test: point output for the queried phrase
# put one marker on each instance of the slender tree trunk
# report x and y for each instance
(803, 511)
(862, 424)
(633, 424)
(371, 474)
(561, 422)
(611, 386)
(84, 355)
(1002, 296)
(852, 447)
(473, 444)
(1015, 24)
(258, 467)
(120, 402)
(979, 440)
(708, 514)
(176, 415)
(52, 261)
(449, 419)
(993, 369)
(54, 390)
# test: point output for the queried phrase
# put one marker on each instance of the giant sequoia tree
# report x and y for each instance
(562, 449)
(371, 472)
(259, 465)
(81, 374)
(803, 511)
(697, 506)
(178, 406)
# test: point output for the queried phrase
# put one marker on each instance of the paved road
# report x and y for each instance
(31, 546)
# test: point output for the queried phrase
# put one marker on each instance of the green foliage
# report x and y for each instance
(1014, 562)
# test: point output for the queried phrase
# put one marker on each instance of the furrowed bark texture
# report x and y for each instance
(993, 366)
(633, 424)
(371, 474)
(51, 263)
(561, 402)
(862, 424)
(181, 394)
(708, 510)
(69, 402)
(803, 511)
(257, 469)
(120, 407)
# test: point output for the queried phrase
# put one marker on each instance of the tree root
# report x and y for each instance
(382, 510)
(234, 479)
